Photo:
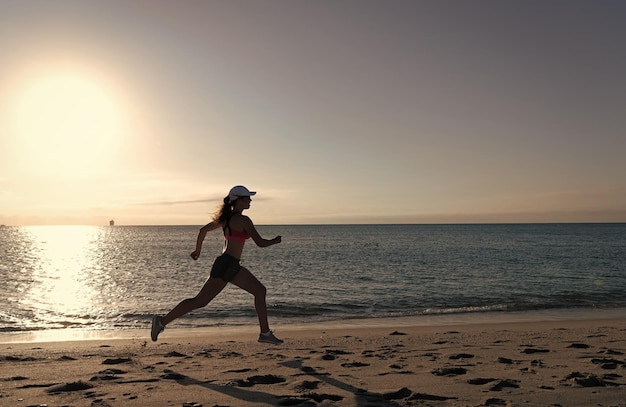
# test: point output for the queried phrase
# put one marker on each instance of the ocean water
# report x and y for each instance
(112, 278)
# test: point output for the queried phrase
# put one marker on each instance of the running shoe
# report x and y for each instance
(270, 338)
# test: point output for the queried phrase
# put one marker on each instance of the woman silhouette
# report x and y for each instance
(226, 269)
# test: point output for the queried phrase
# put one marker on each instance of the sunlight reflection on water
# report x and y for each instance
(60, 290)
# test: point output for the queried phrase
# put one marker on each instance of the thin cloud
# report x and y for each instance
(215, 200)
(170, 203)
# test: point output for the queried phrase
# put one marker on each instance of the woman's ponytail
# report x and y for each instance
(225, 211)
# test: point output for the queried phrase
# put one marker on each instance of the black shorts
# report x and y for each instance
(225, 267)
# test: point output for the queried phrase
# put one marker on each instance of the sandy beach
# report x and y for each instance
(543, 363)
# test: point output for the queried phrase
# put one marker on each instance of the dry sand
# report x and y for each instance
(556, 363)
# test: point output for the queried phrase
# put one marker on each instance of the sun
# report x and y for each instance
(67, 126)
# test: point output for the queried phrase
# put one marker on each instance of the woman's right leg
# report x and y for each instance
(211, 288)
(247, 281)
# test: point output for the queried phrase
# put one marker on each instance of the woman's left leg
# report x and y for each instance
(246, 280)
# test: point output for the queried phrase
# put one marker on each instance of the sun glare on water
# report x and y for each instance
(66, 126)
(62, 289)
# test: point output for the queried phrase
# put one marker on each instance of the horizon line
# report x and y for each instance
(337, 224)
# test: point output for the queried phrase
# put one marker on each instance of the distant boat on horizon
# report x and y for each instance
(111, 222)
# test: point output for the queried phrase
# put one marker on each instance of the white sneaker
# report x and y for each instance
(157, 328)
(270, 338)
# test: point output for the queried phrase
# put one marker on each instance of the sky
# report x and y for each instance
(434, 111)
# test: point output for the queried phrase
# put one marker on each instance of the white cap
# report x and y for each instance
(239, 191)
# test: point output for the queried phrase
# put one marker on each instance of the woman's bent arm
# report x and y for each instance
(201, 235)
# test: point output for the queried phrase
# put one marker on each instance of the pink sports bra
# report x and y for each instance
(237, 236)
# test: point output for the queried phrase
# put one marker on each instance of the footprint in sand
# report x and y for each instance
(116, 361)
(503, 384)
(170, 375)
(227, 355)
(14, 379)
(396, 372)
(174, 354)
(481, 381)
(40, 385)
(69, 387)
(113, 371)
(461, 356)
(17, 359)
(244, 370)
(579, 346)
(530, 351)
(108, 374)
(331, 354)
(495, 402)
(355, 364)
(307, 385)
(266, 379)
(449, 371)
(588, 380)
(337, 352)
(606, 363)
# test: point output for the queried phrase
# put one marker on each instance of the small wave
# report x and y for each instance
(464, 310)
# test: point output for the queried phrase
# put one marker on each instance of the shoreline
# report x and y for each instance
(422, 321)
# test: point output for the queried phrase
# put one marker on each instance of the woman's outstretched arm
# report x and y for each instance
(260, 241)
